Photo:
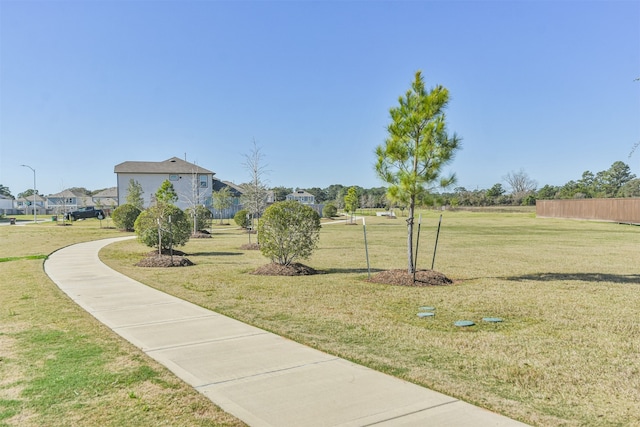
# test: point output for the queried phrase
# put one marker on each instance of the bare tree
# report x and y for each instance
(194, 198)
(254, 198)
(520, 183)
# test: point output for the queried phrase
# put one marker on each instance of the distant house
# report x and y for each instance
(236, 193)
(303, 197)
(107, 199)
(67, 200)
(192, 183)
(6, 205)
(25, 204)
(235, 190)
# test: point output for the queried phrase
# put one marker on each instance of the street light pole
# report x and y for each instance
(34, 192)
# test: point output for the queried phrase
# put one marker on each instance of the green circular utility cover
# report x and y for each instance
(427, 308)
(492, 319)
(464, 323)
(426, 314)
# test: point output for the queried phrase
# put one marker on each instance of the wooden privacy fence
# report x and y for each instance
(625, 210)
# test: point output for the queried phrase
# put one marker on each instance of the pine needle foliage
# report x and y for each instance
(418, 146)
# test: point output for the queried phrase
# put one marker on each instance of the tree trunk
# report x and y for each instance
(410, 236)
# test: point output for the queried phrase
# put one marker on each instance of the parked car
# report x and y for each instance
(82, 213)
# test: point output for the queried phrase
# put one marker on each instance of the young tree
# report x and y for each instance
(351, 201)
(195, 200)
(254, 198)
(289, 230)
(124, 216)
(222, 200)
(134, 194)
(200, 216)
(173, 224)
(416, 149)
(329, 210)
(241, 218)
(163, 225)
(166, 194)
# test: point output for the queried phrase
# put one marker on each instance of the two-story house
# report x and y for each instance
(192, 183)
(25, 204)
(66, 201)
(106, 199)
(303, 197)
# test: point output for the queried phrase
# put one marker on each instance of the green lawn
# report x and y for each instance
(567, 352)
(60, 367)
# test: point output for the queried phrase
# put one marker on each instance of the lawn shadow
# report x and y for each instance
(215, 253)
(351, 270)
(582, 277)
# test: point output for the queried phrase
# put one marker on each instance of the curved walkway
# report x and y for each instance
(261, 378)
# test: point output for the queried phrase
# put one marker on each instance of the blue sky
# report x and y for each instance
(543, 86)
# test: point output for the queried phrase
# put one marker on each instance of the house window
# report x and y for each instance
(173, 177)
(203, 181)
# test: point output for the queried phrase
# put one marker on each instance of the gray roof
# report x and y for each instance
(301, 193)
(219, 185)
(107, 192)
(66, 194)
(172, 165)
(29, 198)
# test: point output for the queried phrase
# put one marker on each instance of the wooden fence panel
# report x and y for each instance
(625, 210)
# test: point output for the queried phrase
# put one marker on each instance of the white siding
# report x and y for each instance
(151, 182)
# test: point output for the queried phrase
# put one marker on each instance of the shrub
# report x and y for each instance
(329, 210)
(203, 217)
(288, 230)
(124, 216)
(241, 219)
(146, 226)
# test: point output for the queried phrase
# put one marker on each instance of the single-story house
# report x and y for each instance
(192, 183)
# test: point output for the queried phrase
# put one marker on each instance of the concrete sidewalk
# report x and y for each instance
(261, 378)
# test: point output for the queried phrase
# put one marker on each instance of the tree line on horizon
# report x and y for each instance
(518, 189)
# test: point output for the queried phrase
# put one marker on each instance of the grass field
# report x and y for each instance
(60, 367)
(567, 352)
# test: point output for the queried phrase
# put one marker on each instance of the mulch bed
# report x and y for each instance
(153, 259)
(202, 234)
(295, 269)
(387, 277)
(404, 278)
